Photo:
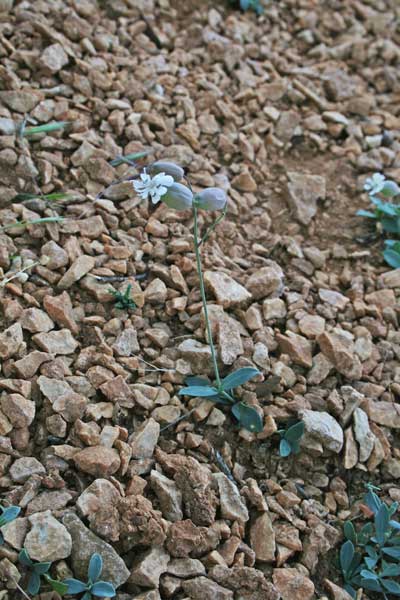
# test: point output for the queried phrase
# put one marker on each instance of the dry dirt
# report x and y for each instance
(289, 113)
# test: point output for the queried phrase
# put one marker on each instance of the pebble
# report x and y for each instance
(148, 567)
(265, 282)
(25, 467)
(292, 584)
(36, 321)
(48, 539)
(232, 505)
(303, 191)
(98, 461)
(79, 268)
(323, 428)
(227, 291)
(56, 342)
(262, 538)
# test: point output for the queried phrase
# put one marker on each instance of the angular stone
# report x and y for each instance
(18, 409)
(202, 588)
(21, 101)
(194, 481)
(185, 567)
(56, 342)
(168, 495)
(350, 458)
(53, 59)
(48, 539)
(334, 298)
(36, 321)
(293, 585)
(53, 388)
(244, 182)
(79, 268)
(24, 467)
(11, 341)
(363, 434)
(312, 326)
(227, 291)
(232, 505)
(266, 282)
(144, 440)
(98, 461)
(247, 583)
(390, 279)
(126, 343)
(303, 192)
(336, 592)
(320, 370)
(198, 355)
(262, 538)
(320, 539)
(14, 533)
(85, 544)
(274, 308)
(27, 366)
(230, 345)
(60, 310)
(148, 567)
(57, 256)
(297, 347)
(341, 357)
(156, 292)
(383, 413)
(323, 428)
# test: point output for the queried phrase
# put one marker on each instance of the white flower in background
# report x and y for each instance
(155, 187)
(375, 184)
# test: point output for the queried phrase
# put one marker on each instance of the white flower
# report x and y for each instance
(155, 187)
(374, 184)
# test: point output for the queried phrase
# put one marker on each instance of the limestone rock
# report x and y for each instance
(262, 538)
(60, 309)
(266, 282)
(202, 588)
(79, 268)
(297, 347)
(148, 567)
(303, 192)
(144, 440)
(363, 434)
(227, 291)
(36, 320)
(169, 496)
(322, 427)
(341, 357)
(48, 539)
(24, 467)
(293, 585)
(56, 342)
(232, 505)
(85, 544)
(98, 461)
(11, 341)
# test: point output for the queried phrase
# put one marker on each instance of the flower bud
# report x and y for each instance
(390, 189)
(178, 197)
(169, 168)
(211, 199)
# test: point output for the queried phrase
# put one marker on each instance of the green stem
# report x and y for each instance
(203, 295)
(213, 226)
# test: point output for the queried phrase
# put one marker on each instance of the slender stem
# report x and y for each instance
(21, 590)
(203, 295)
(213, 226)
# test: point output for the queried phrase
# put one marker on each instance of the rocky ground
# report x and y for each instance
(289, 113)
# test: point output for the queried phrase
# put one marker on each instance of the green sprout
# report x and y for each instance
(256, 5)
(124, 301)
(290, 439)
(37, 570)
(370, 557)
(7, 515)
(32, 222)
(93, 587)
(128, 158)
(47, 128)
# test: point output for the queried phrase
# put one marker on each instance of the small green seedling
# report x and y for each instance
(40, 221)
(256, 5)
(247, 416)
(391, 254)
(7, 515)
(387, 214)
(47, 128)
(290, 439)
(37, 570)
(93, 587)
(124, 301)
(128, 159)
(370, 557)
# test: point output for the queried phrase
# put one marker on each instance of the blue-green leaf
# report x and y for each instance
(372, 501)
(391, 586)
(394, 524)
(285, 448)
(103, 589)
(295, 447)
(392, 552)
(295, 432)
(33, 586)
(370, 562)
(41, 568)
(248, 417)
(381, 523)
(190, 381)
(346, 557)
(198, 391)
(10, 513)
(24, 558)
(350, 590)
(75, 586)
(239, 377)
(392, 258)
(390, 570)
(350, 532)
(390, 189)
(366, 213)
(95, 567)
